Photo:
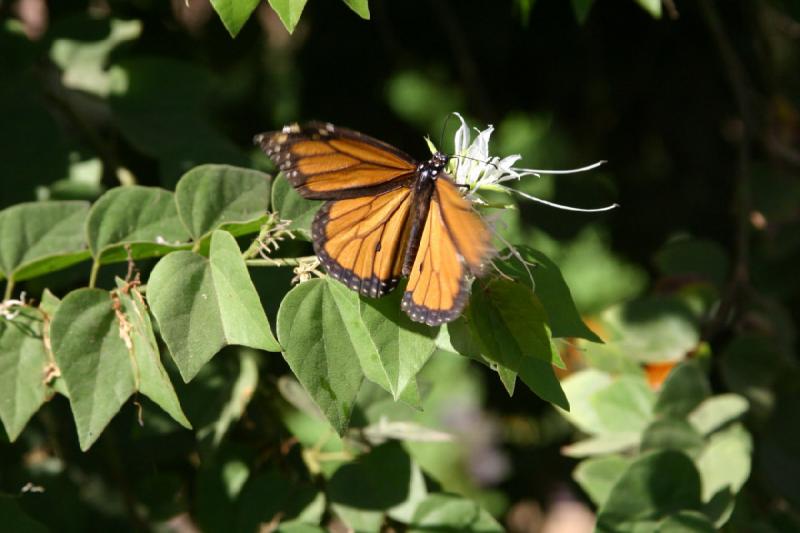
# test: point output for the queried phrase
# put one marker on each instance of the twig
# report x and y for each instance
(280, 262)
(743, 95)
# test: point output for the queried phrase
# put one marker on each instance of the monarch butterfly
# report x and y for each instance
(387, 216)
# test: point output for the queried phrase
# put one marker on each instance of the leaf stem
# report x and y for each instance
(280, 262)
(93, 274)
(9, 289)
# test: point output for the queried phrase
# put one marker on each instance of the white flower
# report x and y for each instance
(477, 169)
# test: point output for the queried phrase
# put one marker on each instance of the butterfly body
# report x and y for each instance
(386, 217)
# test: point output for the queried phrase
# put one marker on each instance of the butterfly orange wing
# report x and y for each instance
(454, 242)
(362, 241)
(325, 162)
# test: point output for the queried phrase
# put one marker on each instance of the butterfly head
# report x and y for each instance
(430, 169)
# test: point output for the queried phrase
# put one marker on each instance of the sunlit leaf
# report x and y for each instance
(234, 13)
(23, 360)
(142, 218)
(598, 475)
(94, 360)
(319, 349)
(717, 411)
(202, 304)
(361, 7)
(288, 11)
(447, 512)
(724, 465)
(651, 6)
(37, 238)
(212, 197)
(151, 377)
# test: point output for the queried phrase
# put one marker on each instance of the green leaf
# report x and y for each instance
(144, 218)
(356, 484)
(82, 62)
(717, 411)
(37, 238)
(724, 464)
(552, 291)
(212, 197)
(625, 405)
(691, 259)
(23, 360)
(401, 345)
(655, 329)
(579, 388)
(510, 326)
(204, 304)
(602, 444)
(95, 364)
(234, 13)
(684, 389)
(361, 7)
(289, 205)
(288, 11)
(651, 6)
(653, 487)
(447, 512)
(598, 475)
(15, 519)
(672, 434)
(151, 376)
(270, 494)
(237, 397)
(319, 349)
(686, 522)
(582, 8)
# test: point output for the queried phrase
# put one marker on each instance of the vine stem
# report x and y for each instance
(93, 274)
(9, 289)
(281, 262)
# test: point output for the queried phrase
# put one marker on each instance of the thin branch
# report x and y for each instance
(281, 262)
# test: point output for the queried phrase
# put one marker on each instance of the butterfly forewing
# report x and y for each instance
(324, 162)
(361, 241)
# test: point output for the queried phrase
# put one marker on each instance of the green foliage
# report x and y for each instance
(162, 302)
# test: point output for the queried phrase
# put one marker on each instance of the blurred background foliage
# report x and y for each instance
(686, 418)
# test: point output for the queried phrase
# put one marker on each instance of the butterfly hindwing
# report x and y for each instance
(325, 162)
(362, 241)
(454, 242)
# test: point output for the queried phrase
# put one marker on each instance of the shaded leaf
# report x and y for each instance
(204, 304)
(684, 389)
(15, 519)
(289, 205)
(42, 237)
(672, 434)
(654, 486)
(212, 197)
(511, 329)
(319, 349)
(355, 484)
(144, 218)
(552, 291)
